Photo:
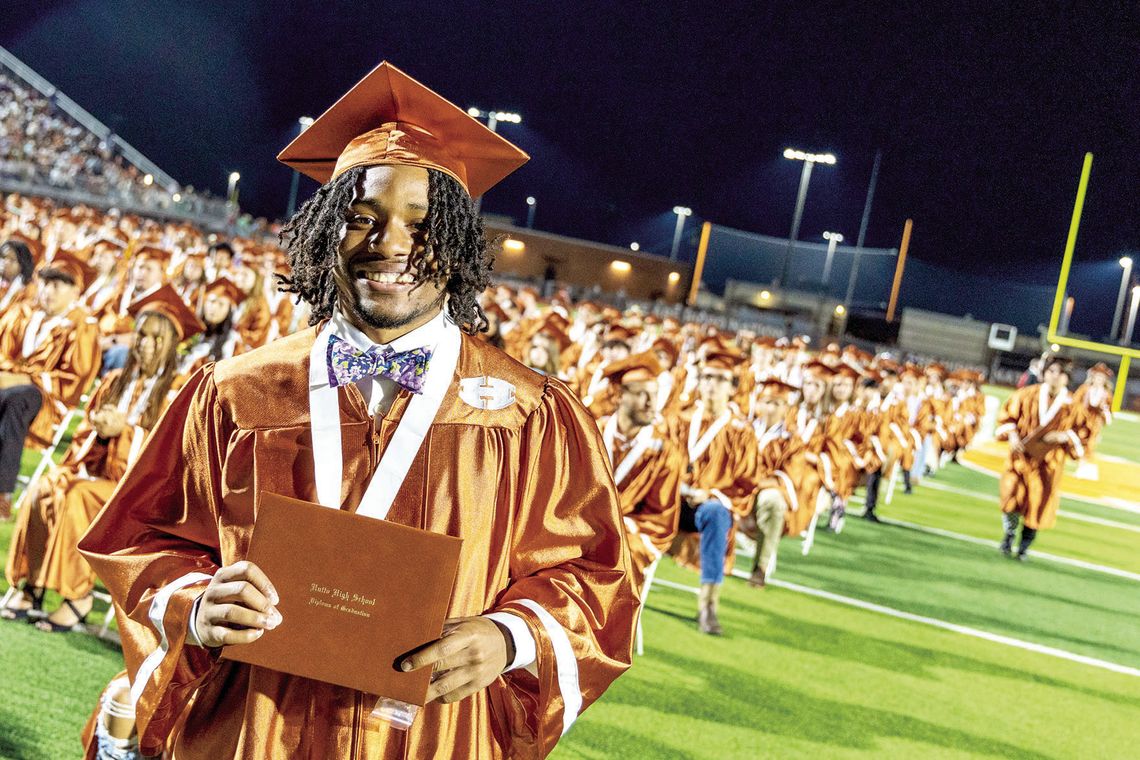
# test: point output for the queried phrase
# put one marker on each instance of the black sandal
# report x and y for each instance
(33, 612)
(79, 625)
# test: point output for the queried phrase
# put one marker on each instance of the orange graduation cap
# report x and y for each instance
(643, 366)
(168, 303)
(724, 358)
(227, 288)
(390, 118)
(71, 265)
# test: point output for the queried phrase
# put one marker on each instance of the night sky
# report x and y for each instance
(983, 114)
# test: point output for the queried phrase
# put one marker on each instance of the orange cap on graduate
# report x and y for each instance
(228, 288)
(643, 366)
(67, 263)
(168, 303)
(390, 118)
(724, 358)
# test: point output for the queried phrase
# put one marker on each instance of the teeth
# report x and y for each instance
(390, 278)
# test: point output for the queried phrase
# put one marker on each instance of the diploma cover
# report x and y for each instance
(1035, 445)
(356, 593)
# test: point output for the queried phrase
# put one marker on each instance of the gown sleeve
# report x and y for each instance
(570, 578)
(155, 546)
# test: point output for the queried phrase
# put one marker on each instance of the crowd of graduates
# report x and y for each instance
(709, 433)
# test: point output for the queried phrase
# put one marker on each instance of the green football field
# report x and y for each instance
(912, 639)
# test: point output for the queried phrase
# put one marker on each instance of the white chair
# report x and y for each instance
(649, 573)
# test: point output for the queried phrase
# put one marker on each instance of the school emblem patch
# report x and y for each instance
(487, 393)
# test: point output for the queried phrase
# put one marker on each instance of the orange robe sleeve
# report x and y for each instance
(571, 579)
(155, 547)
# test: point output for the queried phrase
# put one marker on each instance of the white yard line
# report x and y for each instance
(1036, 554)
(934, 622)
(988, 497)
(1127, 506)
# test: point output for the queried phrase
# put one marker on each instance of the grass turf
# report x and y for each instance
(798, 677)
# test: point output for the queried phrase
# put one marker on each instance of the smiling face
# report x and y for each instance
(383, 238)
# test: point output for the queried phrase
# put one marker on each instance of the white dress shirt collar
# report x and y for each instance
(426, 335)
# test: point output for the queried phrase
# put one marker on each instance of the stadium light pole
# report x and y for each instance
(862, 230)
(531, 204)
(681, 212)
(232, 190)
(833, 239)
(1127, 341)
(810, 160)
(303, 123)
(493, 118)
(1125, 278)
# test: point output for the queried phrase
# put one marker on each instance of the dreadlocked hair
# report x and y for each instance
(456, 250)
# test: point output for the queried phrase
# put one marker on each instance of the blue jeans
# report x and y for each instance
(714, 522)
(114, 357)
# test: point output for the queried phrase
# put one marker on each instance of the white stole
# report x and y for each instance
(698, 445)
(324, 421)
(641, 442)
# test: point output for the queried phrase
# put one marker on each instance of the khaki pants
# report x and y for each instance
(770, 508)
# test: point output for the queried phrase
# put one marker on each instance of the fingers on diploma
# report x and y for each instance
(433, 653)
(231, 615)
(247, 571)
(240, 592)
(450, 687)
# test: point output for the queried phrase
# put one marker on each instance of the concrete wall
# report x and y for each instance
(955, 339)
(528, 254)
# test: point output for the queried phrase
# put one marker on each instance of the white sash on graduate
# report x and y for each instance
(641, 442)
(324, 416)
(697, 446)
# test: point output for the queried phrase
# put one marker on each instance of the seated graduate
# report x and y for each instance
(61, 505)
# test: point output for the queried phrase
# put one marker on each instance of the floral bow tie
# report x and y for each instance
(347, 364)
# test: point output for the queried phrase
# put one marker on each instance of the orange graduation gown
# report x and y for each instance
(527, 487)
(1032, 487)
(62, 366)
(647, 471)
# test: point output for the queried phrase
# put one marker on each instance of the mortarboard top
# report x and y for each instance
(168, 303)
(635, 368)
(669, 347)
(72, 266)
(618, 333)
(34, 246)
(912, 370)
(228, 288)
(847, 369)
(555, 319)
(146, 251)
(723, 358)
(555, 333)
(390, 118)
(818, 368)
(774, 386)
(498, 311)
(1101, 368)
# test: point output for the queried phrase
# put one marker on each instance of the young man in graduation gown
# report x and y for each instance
(49, 354)
(776, 447)
(1043, 427)
(390, 254)
(720, 483)
(647, 461)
